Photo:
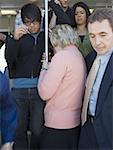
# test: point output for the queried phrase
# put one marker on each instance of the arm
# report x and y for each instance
(11, 52)
(62, 17)
(13, 46)
(50, 80)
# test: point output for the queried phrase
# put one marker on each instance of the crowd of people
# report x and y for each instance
(65, 103)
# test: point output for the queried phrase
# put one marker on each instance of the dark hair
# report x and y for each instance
(84, 6)
(31, 12)
(102, 14)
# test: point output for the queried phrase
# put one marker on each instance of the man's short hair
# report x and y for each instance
(102, 14)
(31, 12)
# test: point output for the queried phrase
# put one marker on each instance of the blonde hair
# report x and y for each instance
(63, 35)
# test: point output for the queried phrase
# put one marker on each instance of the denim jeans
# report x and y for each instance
(30, 117)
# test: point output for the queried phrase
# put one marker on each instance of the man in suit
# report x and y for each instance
(8, 114)
(97, 130)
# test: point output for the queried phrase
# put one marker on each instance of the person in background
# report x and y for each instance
(23, 55)
(60, 12)
(81, 12)
(3, 63)
(2, 39)
(97, 129)
(8, 115)
(61, 85)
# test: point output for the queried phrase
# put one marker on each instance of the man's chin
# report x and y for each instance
(65, 7)
(101, 52)
(33, 32)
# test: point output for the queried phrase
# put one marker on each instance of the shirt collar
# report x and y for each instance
(106, 56)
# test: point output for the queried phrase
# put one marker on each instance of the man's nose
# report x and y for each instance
(31, 24)
(97, 40)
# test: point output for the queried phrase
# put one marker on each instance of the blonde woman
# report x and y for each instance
(61, 85)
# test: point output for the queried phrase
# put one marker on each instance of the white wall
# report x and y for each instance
(7, 23)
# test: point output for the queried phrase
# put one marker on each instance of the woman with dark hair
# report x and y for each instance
(82, 12)
(85, 7)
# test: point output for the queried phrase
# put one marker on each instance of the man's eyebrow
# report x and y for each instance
(90, 33)
(103, 32)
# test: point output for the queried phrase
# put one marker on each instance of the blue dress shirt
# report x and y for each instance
(95, 90)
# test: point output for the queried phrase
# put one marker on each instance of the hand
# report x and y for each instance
(44, 57)
(2, 37)
(45, 65)
(20, 31)
(6, 146)
(57, 2)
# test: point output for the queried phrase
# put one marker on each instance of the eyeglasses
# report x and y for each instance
(29, 23)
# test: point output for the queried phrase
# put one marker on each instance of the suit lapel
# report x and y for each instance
(106, 81)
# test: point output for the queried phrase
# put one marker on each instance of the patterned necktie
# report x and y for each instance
(89, 84)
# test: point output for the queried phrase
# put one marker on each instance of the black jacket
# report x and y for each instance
(24, 56)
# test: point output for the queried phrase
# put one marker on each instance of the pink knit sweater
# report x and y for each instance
(62, 86)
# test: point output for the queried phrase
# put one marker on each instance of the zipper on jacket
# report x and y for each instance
(34, 48)
(32, 74)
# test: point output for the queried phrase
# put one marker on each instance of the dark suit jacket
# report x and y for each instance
(99, 134)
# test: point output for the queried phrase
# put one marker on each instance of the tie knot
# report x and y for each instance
(97, 61)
